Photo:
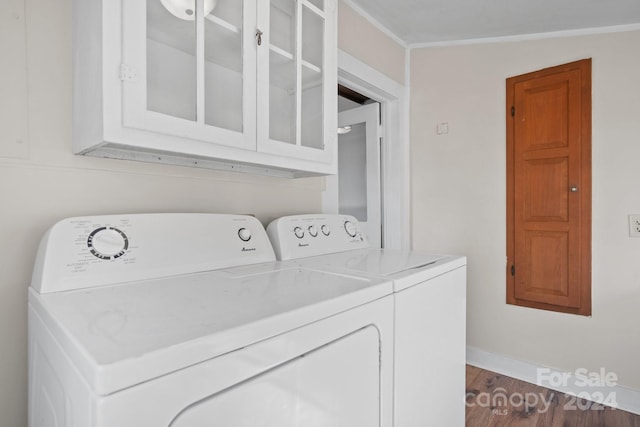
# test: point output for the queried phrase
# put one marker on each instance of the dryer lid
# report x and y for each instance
(388, 262)
(405, 268)
(378, 262)
(122, 335)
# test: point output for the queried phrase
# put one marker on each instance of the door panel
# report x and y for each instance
(352, 178)
(549, 188)
(546, 104)
(541, 178)
(548, 277)
(356, 189)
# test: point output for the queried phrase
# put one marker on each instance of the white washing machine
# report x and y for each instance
(186, 320)
(430, 310)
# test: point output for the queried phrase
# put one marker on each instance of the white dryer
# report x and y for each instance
(186, 320)
(430, 310)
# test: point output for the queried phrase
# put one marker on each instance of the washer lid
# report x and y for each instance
(119, 336)
(405, 268)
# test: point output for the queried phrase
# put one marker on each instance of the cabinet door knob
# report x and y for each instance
(574, 189)
(259, 36)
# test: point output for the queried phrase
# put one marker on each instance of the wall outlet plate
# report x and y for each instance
(634, 225)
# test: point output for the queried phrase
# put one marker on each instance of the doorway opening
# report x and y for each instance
(393, 98)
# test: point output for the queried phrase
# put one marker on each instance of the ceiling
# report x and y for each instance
(437, 21)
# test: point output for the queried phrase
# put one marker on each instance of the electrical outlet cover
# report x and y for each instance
(634, 225)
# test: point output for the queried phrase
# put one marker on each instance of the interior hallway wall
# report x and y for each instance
(41, 181)
(459, 195)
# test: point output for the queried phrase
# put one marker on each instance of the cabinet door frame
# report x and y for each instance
(134, 82)
(328, 154)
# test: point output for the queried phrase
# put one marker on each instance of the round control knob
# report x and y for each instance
(350, 228)
(107, 243)
(244, 234)
(313, 231)
(299, 232)
(325, 230)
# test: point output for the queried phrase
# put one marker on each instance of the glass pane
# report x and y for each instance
(223, 64)
(282, 71)
(352, 172)
(171, 58)
(312, 88)
(317, 3)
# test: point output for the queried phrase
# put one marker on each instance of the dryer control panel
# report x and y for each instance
(300, 236)
(93, 251)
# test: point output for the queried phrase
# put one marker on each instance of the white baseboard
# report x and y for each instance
(626, 399)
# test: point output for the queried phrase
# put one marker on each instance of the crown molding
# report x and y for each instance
(527, 37)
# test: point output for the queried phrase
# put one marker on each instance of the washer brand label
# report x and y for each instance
(303, 245)
(248, 249)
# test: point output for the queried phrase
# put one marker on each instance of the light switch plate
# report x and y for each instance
(634, 225)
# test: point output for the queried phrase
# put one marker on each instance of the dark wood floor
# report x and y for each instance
(498, 400)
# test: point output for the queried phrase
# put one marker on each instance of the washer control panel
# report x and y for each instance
(94, 251)
(300, 236)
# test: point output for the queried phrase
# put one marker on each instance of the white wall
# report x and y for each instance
(42, 182)
(458, 190)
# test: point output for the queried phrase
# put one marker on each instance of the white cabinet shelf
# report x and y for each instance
(223, 24)
(151, 86)
(310, 67)
(281, 53)
(289, 56)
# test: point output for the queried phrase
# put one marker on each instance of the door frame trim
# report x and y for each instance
(394, 166)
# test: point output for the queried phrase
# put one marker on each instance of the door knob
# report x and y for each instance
(574, 189)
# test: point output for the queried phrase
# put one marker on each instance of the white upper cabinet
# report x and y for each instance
(228, 84)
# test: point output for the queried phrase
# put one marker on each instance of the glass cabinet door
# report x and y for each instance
(189, 69)
(294, 49)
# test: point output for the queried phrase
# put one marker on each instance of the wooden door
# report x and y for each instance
(549, 188)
